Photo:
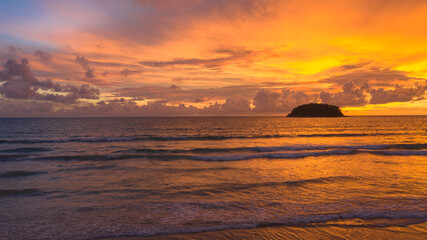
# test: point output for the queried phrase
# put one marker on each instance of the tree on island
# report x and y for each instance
(316, 110)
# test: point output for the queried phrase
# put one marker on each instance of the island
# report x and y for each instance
(316, 110)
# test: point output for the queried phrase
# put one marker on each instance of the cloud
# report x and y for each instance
(82, 61)
(128, 72)
(99, 82)
(283, 100)
(349, 96)
(152, 22)
(25, 108)
(89, 71)
(120, 107)
(43, 56)
(20, 83)
(232, 55)
(266, 101)
(353, 66)
(175, 93)
(236, 105)
(280, 100)
(153, 92)
(373, 76)
(398, 94)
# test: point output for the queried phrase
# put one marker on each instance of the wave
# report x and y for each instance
(242, 153)
(180, 138)
(310, 220)
(222, 157)
(20, 192)
(405, 153)
(366, 215)
(213, 189)
(191, 150)
(237, 157)
(13, 174)
(108, 157)
(25, 150)
(193, 170)
(277, 148)
(205, 190)
(88, 168)
(414, 146)
(171, 157)
(270, 155)
(61, 140)
(175, 138)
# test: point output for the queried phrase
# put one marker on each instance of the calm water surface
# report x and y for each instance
(87, 178)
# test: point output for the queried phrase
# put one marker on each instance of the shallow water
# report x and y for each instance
(85, 178)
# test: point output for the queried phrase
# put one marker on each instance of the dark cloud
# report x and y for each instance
(233, 55)
(14, 53)
(349, 96)
(372, 76)
(12, 49)
(25, 108)
(100, 82)
(89, 71)
(202, 79)
(82, 61)
(152, 92)
(283, 100)
(43, 56)
(128, 72)
(120, 107)
(348, 66)
(266, 101)
(151, 22)
(20, 83)
(236, 105)
(353, 66)
(175, 93)
(109, 63)
(398, 94)
(280, 101)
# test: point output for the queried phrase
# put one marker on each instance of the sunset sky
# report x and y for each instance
(202, 57)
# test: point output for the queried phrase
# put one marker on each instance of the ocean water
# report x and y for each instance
(87, 178)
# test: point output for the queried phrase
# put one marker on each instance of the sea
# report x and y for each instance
(94, 178)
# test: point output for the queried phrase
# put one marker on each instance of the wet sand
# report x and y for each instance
(348, 229)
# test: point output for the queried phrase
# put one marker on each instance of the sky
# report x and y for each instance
(206, 58)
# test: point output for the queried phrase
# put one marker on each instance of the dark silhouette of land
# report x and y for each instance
(316, 110)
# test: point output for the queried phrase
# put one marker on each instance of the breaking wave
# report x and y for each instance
(179, 138)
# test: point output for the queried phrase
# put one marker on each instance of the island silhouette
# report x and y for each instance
(316, 110)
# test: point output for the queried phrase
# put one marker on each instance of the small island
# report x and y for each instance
(316, 110)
